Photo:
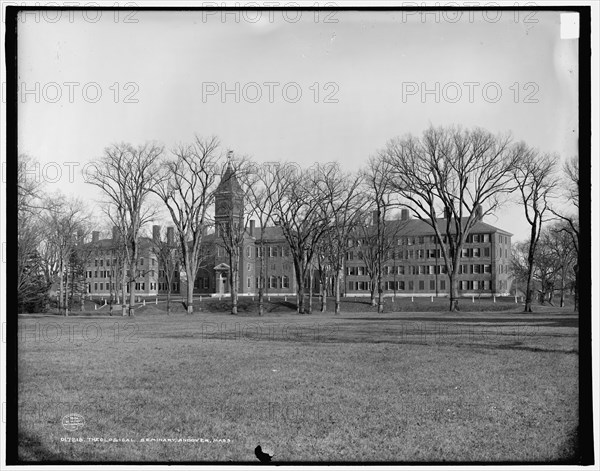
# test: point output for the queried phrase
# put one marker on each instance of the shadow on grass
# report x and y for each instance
(31, 450)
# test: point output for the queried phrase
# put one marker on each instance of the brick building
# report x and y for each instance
(413, 266)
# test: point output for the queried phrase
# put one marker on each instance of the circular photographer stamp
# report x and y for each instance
(73, 422)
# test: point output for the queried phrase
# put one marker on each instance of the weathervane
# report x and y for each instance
(229, 157)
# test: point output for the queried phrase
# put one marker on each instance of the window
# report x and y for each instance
(272, 281)
(443, 285)
(401, 285)
(421, 240)
(486, 237)
(421, 285)
(95, 286)
(422, 269)
(476, 252)
(248, 253)
(206, 283)
(432, 285)
(108, 262)
(400, 269)
(248, 267)
(411, 286)
(142, 262)
(101, 286)
(486, 252)
(96, 262)
(349, 256)
(286, 281)
(249, 282)
(476, 269)
(96, 274)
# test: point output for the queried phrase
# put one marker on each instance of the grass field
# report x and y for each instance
(361, 386)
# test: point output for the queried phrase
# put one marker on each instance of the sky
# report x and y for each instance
(301, 86)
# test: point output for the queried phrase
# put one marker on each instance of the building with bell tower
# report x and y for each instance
(229, 212)
(229, 198)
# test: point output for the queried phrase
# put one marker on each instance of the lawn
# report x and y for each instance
(361, 386)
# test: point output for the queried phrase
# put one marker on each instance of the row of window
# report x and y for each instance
(419, 285)
(108, 273)
(273, 282)
(101, 262)
(138, 286)
(422, 254)
(422, 270)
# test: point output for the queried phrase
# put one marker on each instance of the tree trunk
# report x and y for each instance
(132, 297)
(168, 298)
(379, 294)
(562, 289)
(234, 292)
(373, 288)
(189, 304)
(60, 289)
(323, 294)
(261, 280)
(123, 290)
(67, 291)
(453, 292)
(337, 292)
(310, 291)
(528, 288)
(299, 289)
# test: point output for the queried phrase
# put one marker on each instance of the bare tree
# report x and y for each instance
(125, 174)
(339, 198)
(561, 253)
(301, 222)
(571, 220)
(454, 172)
(32, 285)
(65, 224)
(186, 186)
(232, 221)
(535, 177)
(379, 190)
(30, 197)
(168, 255)
(261, 187)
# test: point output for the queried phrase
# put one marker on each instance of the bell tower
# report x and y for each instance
(229, 197)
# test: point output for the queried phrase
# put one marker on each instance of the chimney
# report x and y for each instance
(95, 236)
(115, 233)
(156, 234)
(375, 216)
(170, 235)
(252, 226)
(404, 214)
